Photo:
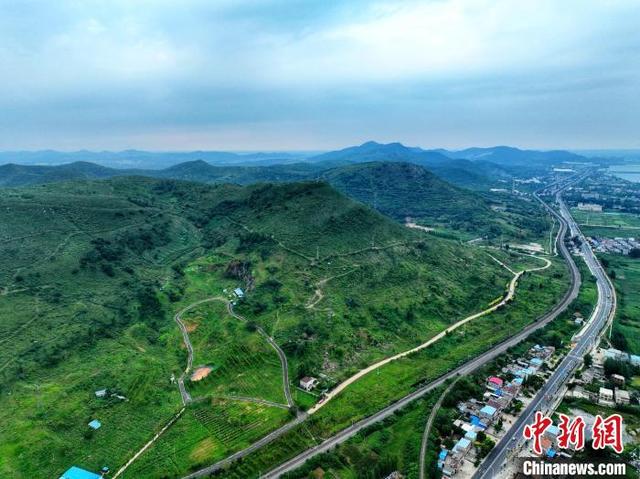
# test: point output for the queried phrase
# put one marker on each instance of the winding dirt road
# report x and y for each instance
(281, 355)
(186, 397)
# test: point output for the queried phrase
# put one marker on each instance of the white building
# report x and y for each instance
(622, 396)
(308, 383)
(605, 396)
(590, 207)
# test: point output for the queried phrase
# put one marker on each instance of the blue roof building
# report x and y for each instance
(442, 456)
(462, 445)
(518, 381)
(536, 362)
(471, 435)
(488, 411)
(239, 293)
(75, 472)
(95, 424)
(551, 452)
(475, 421)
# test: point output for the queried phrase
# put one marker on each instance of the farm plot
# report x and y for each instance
(208, 431)
(242, 363)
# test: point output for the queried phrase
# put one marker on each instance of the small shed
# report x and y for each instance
(95, 424)
(238, 292)
(100, 393)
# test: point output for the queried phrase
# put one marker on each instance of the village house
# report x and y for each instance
(488, 414)
(308, 383)
(494, 382)
(622, 397)
(452, 464)
(605, 397)
(617, 379)
(535, 363)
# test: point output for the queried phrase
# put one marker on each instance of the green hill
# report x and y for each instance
(405, 190)
(402, 190)
(92, 272)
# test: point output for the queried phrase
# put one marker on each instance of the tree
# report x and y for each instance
(634, 253)
(588, 360)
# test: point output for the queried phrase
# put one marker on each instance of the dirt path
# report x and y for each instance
(363, 372)
(318, 295)
(186, 397)
(281, 355)
(427, 428)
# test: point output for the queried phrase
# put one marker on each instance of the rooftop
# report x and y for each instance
(95, 424)
(75, 472)
(463, 443)
(488, 410)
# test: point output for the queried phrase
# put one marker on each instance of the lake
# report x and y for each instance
(626, 172)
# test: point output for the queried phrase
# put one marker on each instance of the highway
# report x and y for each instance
(465, 368)
(546, 397)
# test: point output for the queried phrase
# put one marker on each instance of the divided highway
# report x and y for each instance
(545, 398)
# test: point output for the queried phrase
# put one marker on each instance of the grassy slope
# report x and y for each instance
(538, 291)
(626, 328)
(75, 326)
(395, 442)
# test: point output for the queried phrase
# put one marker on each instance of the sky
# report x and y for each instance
(248, 75)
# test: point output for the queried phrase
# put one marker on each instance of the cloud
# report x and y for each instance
(245, 73)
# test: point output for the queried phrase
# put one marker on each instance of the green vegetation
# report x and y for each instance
(208, 431)
(626, 279)
(406, 190)
(92, 273)
(612, 220)
(595, 231)
(242, 363)
(390, 445)
(536, 294)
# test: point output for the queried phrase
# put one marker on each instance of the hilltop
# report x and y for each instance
(400, 190)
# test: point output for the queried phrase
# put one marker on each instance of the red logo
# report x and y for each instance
(536, 430)
(571, 432)
(606, 432)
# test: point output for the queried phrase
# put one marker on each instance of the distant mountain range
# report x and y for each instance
(473, 168)
(369, 151)
(148, 159)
